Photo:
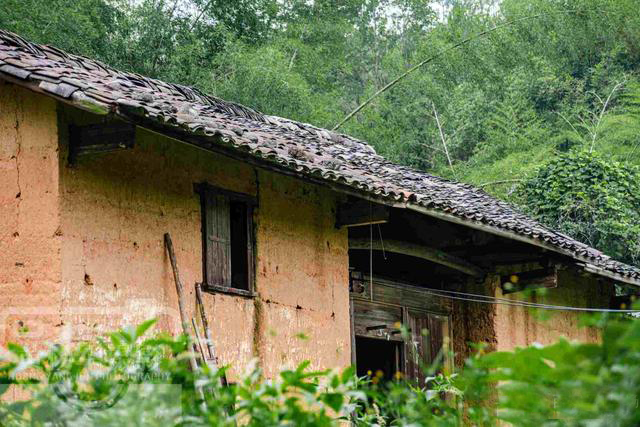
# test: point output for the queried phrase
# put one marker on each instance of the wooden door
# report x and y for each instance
(426, 350)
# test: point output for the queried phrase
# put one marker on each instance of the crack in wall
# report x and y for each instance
(17, 158)
(296, 307)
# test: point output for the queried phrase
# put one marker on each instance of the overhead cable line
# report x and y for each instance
(485, 299)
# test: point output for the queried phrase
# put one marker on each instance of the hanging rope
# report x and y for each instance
(370, 249)
(384, 254)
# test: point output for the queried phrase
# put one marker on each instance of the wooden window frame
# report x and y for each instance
(205, 191)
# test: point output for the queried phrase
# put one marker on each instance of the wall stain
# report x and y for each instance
(258, 330)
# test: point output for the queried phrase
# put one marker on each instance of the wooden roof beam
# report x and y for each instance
(419, 251)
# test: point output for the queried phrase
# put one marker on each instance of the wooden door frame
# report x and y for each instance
(367, 290)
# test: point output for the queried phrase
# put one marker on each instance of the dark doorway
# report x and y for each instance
(373, 355)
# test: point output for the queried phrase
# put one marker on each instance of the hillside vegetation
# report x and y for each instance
(550, 103)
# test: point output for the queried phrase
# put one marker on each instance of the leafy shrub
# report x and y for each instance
(127, 380)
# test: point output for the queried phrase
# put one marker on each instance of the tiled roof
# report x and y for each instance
(297, 147)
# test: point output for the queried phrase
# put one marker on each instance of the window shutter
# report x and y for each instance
(217, 236)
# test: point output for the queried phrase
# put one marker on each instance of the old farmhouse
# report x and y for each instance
(307, 243)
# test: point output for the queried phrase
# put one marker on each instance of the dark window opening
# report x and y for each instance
(227, 239)
(378, 358)
(239, 246)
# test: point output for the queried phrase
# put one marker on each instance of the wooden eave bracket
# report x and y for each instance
(532, 279)
(100, 138)
(361, 212)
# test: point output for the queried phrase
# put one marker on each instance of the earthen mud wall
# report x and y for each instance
(82, 252)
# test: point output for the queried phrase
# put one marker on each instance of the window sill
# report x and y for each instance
(213, 289)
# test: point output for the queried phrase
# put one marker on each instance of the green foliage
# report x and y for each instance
(129, 380)
(568, 383)
(125, 380)
(512, 126)
(80, 26)
(262, 77)
(586, 196)
(622, 126)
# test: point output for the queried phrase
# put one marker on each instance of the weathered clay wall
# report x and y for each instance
(503, 327)
(116, 208)
(473, 323)
(520, 327)
(30, 241)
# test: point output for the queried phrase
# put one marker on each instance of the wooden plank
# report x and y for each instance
(361, 212)
(435, 326)
(425, 348)
(396, 293)
(418, 251)
(229, 290)
(199, 346)
(176, 276)
(100, 138)
(181, 306)
(447, 344)
(213, 358)
(377, 320)
(409, 296)
(417, 347)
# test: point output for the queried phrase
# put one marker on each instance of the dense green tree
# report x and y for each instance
(596, 200)
(80, 26)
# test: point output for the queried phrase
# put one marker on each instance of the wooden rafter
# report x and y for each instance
(419, 251)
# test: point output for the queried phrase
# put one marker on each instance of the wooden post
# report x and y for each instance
(353, 332)
(176, 277)
(198, 340)
(212, 360)
(183, 314)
